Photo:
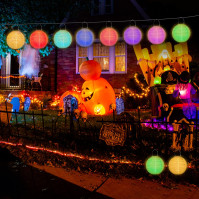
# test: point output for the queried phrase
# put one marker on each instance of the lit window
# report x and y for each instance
(112, 59)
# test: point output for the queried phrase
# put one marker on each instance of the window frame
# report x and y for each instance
(112, 58)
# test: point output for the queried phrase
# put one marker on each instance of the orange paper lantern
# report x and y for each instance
(38, 39)
(97, 92)
(109, 36)
(90, 70)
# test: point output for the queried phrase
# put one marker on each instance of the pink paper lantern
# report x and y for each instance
(108, 36)
(156, 35)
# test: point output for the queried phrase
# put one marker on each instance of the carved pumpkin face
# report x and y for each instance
(97, 92)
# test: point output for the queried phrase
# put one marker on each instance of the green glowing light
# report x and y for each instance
(157, 80)
(155, 165)
(181, 33)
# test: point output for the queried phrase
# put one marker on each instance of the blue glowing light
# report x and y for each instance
(62, 39)
(84, 37)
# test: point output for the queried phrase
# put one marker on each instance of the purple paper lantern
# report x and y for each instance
(156, 35)
(132, 35)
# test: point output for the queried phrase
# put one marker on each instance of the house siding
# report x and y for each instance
(66, 70)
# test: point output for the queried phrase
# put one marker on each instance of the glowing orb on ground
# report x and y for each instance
(181, 33)
(99, 109)
(108, 36)
(177, 165)
(84, 37)
(15, 39)
(156, 35)
(38, 39)
(62, 39)
(155, 165)
(90, 70)
(157, 80)
(132, 35)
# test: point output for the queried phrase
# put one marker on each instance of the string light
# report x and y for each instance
(145, 91)
(11, 76)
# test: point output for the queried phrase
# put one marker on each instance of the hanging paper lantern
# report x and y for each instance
(15, 39)
(177, 165)
(156, 35)
(157, 80)
(109, 36)
(38, 39)
(155, 165)
(181, 33)
(132, 35)
(99, 109)
(84, 37)
(62, 39)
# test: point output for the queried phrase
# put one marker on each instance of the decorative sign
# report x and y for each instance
(5, 117)
(113, 134)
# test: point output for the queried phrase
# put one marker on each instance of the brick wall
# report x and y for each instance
(66, 70)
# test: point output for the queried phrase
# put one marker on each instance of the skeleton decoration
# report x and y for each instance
(77, 113)
(84, 115)
(165, 107)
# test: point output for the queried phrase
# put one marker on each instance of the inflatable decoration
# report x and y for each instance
(27, 103)
(16, 104)
(119, 105)
(97, 94)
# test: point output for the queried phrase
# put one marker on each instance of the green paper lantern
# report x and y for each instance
(155, 165)
(157, 80)
(181, 33)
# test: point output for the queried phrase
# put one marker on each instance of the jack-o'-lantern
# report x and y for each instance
(99, 109)
(97, 92)
(90, 70)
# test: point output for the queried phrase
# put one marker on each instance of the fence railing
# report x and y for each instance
(65, 129)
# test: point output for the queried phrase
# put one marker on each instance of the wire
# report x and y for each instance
(116, 21)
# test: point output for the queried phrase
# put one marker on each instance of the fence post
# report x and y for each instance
(196, 129)
(42, 116)
(33, 117)
(139, 126)
(24, 114)
(8, 118)
(16, 123)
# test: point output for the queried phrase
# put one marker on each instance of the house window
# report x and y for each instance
(112, 59)
(102, 7)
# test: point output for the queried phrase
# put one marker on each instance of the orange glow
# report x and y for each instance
(99, 110)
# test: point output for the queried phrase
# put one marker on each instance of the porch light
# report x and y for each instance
(62, 39)
(15, 39)
(181, 32)
(109, 36)
(156, 35)
(38, 39)
(132, 35)
(84, 37)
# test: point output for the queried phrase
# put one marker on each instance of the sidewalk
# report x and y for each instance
(123, 188)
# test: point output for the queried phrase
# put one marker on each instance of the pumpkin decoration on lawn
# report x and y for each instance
(97, 94)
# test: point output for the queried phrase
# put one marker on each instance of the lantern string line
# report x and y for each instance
(114, 21)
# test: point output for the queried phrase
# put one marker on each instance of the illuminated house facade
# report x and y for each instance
(60, 70)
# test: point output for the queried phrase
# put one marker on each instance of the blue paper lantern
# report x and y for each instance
(62, 39)
(16, 104)
(27, 104)
(84, 37)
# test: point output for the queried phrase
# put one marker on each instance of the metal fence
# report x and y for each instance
(65, 129)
